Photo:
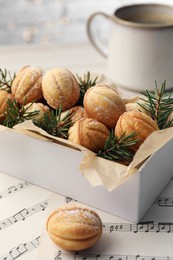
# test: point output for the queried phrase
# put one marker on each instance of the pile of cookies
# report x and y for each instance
(103, 110)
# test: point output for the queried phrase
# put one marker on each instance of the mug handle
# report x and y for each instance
(97, 44)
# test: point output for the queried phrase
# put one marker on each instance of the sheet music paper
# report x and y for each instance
(24, 209)
(151, 239)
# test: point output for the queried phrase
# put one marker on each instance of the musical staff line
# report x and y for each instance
(150, 226)
(164, 202)
(82, 256)
(23, 214)
(160, 202)
(14, 189)
(21, 249)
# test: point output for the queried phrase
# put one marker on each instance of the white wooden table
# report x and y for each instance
(77, 58)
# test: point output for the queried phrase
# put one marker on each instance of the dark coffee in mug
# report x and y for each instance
(144, 14)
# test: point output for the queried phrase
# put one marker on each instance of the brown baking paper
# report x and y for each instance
(99, 171)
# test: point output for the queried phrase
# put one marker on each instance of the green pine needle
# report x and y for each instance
(56, 125)
(119, 149)
(6, 80)
(15, 114)
(159, 104)
(84, 84)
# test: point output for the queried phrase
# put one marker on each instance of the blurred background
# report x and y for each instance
(52, 21)
(46, 21)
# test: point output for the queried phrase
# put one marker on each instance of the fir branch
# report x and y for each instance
(15, 114)
(119, 149)
(84, 85)
(159, 105)
(56, 125)
(6, 80)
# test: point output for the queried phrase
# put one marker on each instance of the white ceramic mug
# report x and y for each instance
(140, 46)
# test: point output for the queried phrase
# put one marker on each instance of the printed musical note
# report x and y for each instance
(116, 227)
(148, 226)
(23, 214)
(68, 199)
(164, 202)
(21, 249)
(57, 257)
(166, 227)
(18, 251)
(13, 189)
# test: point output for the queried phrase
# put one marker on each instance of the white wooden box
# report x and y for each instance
(56, 167)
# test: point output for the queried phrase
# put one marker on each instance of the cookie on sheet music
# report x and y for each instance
(74, 227)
